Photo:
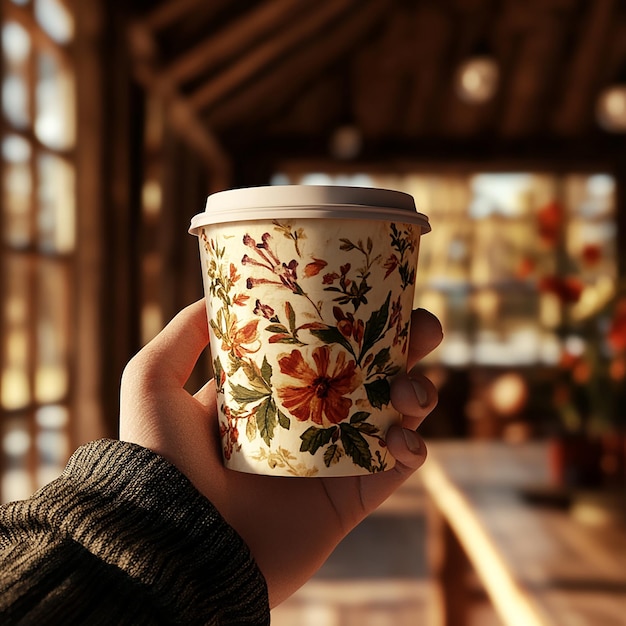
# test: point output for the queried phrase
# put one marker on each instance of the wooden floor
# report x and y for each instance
(378, 576)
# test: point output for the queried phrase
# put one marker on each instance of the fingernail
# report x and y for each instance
(420, 393)
(413, 441)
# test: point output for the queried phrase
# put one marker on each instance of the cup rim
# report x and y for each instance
(309, 201)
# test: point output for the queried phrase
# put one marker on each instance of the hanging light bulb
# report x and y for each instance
(346, 142)
(611, 105)
(611, 109)
(477, 79)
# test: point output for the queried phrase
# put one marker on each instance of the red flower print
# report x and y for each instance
(314, 268)
(264, 310)
(348, 326)
(390, 264)
(320, 395)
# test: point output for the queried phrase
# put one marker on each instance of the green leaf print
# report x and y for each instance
(380, 359)
(375, 327)
(266, 419)
(332, 335)
(332, 455)
(359, 416)
(355, 446)
(245, 395)
(283, 420)
(314, 438)
(266, 371)
(378, 392)
(218, 372)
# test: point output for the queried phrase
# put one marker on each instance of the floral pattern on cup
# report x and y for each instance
(305, 342)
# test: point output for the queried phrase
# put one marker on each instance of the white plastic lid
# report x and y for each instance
(309, 201)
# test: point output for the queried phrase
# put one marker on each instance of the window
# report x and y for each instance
(38, 240)
(504, 251)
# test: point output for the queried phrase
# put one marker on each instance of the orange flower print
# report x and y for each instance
(319, 396)
(236, 340)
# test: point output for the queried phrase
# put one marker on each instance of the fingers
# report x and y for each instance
(170, 357)
(414, 396)
(426, 335)
(407, 447)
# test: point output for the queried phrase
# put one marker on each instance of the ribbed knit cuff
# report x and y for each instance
(134, 510)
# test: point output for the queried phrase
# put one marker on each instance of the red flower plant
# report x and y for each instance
(591, 254)
(617, 331)
(550, 221)
(320, 395)
(567, 289)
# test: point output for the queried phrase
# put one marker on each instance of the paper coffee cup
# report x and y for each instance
(309, 292)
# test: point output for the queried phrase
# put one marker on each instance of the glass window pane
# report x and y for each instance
(16, 47)
(55, 19)
(17, 191)
(16, 441)
(52, 441)
(53, 323)
(16, 342)
(55, 107)
(57, 206)
(16, 44)
(15, 99)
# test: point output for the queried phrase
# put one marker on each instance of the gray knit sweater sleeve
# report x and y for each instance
(122, 537)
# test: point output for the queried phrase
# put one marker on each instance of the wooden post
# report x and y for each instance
(450, 568)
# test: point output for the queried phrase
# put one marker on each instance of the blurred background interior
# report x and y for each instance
(505, 119)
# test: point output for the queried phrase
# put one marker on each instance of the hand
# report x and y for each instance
(291, 525)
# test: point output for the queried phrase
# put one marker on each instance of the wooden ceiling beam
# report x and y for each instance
(433, 35)
(267, 53)
(169, 12)
(531, 75)
(572, 113)
(180, 115)
(276, 90)
(380, 76)
(212, 51)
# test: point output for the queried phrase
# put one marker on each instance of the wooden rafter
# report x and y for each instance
(180, 115)
(275, 90)
(432, 37)
(583, 73)
(268, 52)
(267, 16)
(527, 88)
(169, 12)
